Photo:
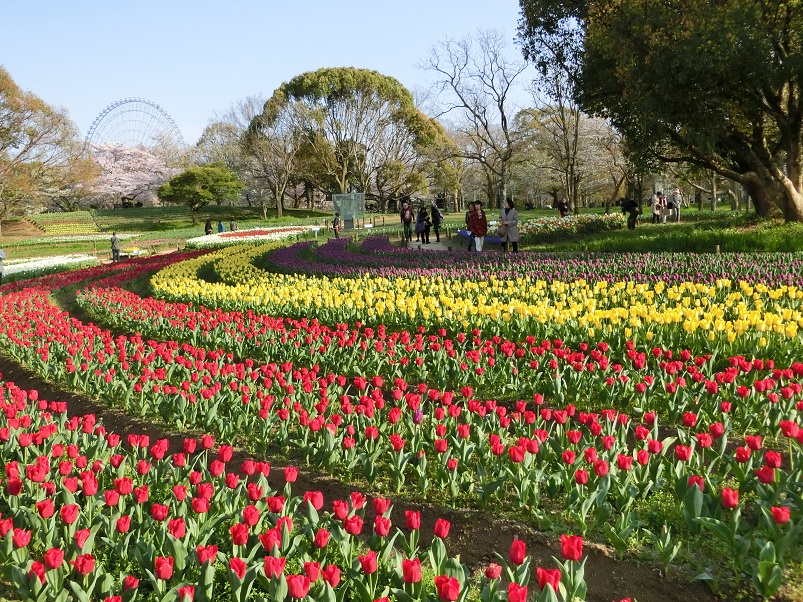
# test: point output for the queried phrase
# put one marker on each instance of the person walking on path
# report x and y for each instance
(509, 226)
(220, 227)
(422, 225)
(208, 227)
(336, 225)
(675, 202)
(437, 219)
(233, 225)
(406, 215)
(478, 225)
(115, 247)
(563, 207)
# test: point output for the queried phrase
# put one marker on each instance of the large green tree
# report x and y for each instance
(716, 84)
(355, 128)
(42, 159)
(199, 186)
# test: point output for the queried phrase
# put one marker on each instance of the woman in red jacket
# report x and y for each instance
(478, 225)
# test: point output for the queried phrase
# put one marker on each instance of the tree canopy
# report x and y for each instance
(715, 84)
(41, 156)
(199, 186)
(349, 129)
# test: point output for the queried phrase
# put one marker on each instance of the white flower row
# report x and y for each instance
(75, 238)
(32, 264)
(250, 235)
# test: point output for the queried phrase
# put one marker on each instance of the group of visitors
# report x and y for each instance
(507, 226)
(425, 221)
(220, 228)
(663, 207)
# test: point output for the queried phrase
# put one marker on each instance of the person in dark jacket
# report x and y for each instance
(422, 225)
(437, 219)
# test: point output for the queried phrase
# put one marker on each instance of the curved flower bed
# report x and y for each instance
(241, 236)
(737, 316)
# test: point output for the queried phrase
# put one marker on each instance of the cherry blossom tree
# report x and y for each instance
(128, 173)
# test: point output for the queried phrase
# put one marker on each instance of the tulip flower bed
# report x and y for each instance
(731, 318)
(85, 517)
(555, 228)
(564, 426)
(535, 457)
(74, 222)
(246, 236)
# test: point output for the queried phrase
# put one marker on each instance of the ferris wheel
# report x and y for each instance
(134, 122)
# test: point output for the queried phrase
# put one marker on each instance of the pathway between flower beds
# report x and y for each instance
(474, 535)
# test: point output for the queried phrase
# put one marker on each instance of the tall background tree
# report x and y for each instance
(475, 77)
(713, 84)
(352, 130)
(42, 159)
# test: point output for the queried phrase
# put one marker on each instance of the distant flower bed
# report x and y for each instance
(556, 227)
(255, 235)
(19, 269)
(39, 240)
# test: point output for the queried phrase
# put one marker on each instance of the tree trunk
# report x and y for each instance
(713, 191)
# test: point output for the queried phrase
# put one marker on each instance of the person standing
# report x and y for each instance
(675, 202)
(208, 227)
(664, 208)
(655, 201)
(2, 257)
(422, 225)
(509, 226)
(233, 225)
(437, 219)
(478, 226)
(336, 224)
(563, 207)
(406, 215)
(220, 227)
(115, 247)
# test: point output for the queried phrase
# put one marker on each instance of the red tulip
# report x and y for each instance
(730, 498)
(274, 567)
(298, 586)
(238, 567)
(572, 546)
(412, 520)
(518, 552)
(780, 515)
(517, 593)
(54, 558)
(766, 474)
(322, 538)
(548, 577)
(448, 588)
(206, 554)
(163, 567)
(84, 564)
(493, 571)
(368, 562)
(331, 574)
(442, 527)
(411, 570)
(353, 524)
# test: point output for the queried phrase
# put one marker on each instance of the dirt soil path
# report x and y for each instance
(474, 535)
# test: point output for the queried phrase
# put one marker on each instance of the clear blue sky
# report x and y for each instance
(197, 57)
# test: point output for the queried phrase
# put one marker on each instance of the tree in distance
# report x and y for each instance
(199, 186)
(718, 84)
